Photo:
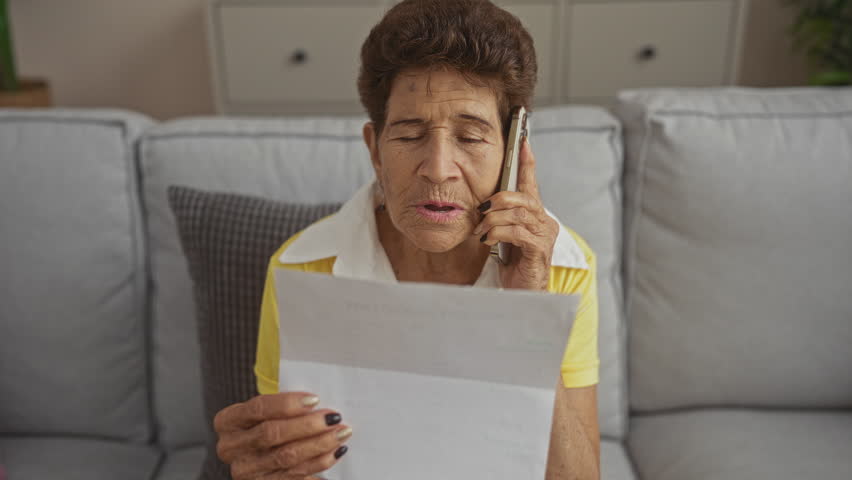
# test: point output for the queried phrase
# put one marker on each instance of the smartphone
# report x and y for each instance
(518, 130)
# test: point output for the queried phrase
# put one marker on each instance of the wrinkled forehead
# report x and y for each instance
(439, 95)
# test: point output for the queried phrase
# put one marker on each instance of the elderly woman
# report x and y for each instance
(438, 79)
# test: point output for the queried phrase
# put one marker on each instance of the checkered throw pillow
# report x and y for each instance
(228, 240)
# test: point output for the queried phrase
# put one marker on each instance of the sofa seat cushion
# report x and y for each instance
(615, 462)
(69, 458)
(183, 464)
(736, 444)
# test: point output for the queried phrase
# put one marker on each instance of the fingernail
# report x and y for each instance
(344, 434)
(478, 229)
(310, 401)
(341, 451)
(482, 238)
(485, 206)
(333, 419)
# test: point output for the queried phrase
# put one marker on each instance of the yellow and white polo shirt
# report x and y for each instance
(347, 244)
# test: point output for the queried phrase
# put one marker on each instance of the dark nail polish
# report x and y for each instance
(485, 206)
(484, 236)
(333, 419)
(341, 451)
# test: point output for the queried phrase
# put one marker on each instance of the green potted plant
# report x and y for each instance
(823, 29)
(15, 91)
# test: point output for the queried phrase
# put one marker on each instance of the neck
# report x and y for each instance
(460, 266)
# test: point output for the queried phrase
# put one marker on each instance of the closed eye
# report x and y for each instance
(461, 139)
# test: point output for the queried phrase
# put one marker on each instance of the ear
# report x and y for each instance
(372, 142)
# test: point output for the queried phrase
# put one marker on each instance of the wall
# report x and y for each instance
(151, 56)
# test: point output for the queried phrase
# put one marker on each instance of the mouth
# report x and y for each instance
(440, 212)
(440, 206)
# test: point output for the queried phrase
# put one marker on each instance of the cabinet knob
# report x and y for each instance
(648, 52)
(299, 57)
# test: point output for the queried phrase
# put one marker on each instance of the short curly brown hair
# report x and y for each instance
(483, 42)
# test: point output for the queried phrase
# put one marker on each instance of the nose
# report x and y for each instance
(439, 161)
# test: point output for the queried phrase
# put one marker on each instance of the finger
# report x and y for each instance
(508, 200)
(279, 475)
(320, 463)
(282, 475)
(253, 464)
(245, 467)
(511, 216)
(263, 407)
(296, 453)
(526, 170)
(517, 235)
(273, 433)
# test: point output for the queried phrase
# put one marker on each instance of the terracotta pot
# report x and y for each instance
(31, 93)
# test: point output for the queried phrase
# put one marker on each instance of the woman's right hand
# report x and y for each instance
(279, 437)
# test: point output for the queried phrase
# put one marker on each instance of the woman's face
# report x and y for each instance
(438, 157)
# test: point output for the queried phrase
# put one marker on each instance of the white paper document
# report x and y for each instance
(436, 381)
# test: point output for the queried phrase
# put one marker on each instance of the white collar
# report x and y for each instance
(351, 236)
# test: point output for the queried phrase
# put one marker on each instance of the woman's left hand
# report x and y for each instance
(519, 218)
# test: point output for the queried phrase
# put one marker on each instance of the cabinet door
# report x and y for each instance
(620, 45)
(539, 20)
(292, 54)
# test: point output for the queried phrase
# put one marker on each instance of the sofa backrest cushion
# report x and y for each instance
(578, 155)
(738, 257)
(73, 359)
(305, 160)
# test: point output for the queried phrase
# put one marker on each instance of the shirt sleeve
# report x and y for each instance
(266, 361)
(580, 363)
(268, 348)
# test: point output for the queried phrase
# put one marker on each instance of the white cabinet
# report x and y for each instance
(299, 56)
(646, 44)
(294, 57)
(293, 54)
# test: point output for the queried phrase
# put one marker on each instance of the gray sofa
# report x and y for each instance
(722, 221)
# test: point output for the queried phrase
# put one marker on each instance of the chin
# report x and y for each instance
(434, 240)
